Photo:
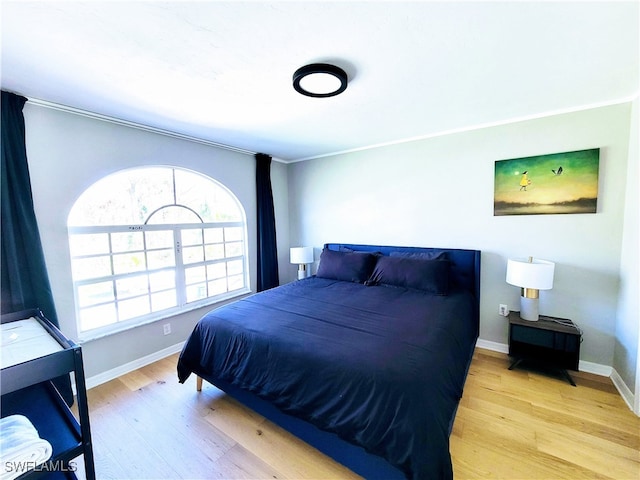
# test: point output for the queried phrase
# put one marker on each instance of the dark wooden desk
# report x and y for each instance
(550, 341)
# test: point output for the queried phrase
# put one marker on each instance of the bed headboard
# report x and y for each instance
(465, 264)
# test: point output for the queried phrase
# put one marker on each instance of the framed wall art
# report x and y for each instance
(547, 184)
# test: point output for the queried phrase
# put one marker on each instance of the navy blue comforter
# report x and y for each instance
(383, 367)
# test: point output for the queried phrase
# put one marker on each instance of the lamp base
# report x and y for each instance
(529, 309)
(302, 271)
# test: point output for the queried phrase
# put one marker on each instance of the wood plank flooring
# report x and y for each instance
(510, 425)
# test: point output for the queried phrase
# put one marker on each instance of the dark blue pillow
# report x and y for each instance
(435, 255)
(346, 266)
(431, 276)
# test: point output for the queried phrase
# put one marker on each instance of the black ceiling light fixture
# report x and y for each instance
(320, 80)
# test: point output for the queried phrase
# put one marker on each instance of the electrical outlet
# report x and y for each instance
(166, 328)
(503, 310)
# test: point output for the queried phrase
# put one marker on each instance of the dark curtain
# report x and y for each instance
(267, 248)
(24, 282)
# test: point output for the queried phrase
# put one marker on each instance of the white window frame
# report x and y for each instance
(180, 268)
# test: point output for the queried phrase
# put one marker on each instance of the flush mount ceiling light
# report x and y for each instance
(320, 80)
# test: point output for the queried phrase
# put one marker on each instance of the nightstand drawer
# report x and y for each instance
(567, 342)
(532, 336)
(545, 338)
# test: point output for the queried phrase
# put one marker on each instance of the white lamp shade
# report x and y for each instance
(301, 255)
(537, 274)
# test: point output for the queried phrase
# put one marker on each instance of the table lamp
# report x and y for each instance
(301, 256)
(531, 276)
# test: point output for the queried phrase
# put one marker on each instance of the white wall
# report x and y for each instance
(438, 192)
(626, 360)
(435, 192)
(68, 152)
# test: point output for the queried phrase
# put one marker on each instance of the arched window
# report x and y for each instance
(150, 242)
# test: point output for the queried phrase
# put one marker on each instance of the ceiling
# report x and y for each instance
(222, 71)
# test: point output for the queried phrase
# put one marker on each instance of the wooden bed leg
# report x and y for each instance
(199, 384)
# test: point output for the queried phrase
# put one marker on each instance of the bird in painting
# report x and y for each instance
(557, 172)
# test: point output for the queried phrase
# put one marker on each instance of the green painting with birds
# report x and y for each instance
(557, 183)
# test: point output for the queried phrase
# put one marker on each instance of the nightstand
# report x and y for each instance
(551, 341)
(34, 352)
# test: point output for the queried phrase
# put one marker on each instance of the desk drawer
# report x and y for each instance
(533, 336)
(564, 342)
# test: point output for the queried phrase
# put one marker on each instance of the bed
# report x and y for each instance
(366, 360)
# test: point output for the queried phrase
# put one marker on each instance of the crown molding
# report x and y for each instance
(481, 126)
(139, 126)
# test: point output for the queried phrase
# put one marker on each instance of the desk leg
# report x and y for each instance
(568, 377)
(515, 363)
(564, 372)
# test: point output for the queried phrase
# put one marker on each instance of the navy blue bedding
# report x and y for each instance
(382, 367)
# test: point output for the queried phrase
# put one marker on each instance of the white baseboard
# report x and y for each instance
(625, 391)
(595, 368)
(131, 366)
(493, 346)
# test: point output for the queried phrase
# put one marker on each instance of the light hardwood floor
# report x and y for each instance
(510, 425)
